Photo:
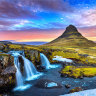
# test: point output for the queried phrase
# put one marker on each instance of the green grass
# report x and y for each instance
(77, 72)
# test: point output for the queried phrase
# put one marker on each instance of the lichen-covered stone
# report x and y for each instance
(33, 56)
(7, 72)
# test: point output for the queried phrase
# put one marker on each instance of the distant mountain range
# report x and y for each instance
(27, 43)
(71, 38)
(32, 43)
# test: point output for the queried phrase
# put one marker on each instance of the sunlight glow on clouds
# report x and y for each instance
(44, 17)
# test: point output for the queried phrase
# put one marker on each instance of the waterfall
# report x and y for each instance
(30, 70)
(45, 62)
(19, 78)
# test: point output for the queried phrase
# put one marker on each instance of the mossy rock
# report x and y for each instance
(76, 89)
(78, 72)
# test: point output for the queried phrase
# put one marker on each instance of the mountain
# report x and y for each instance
(5, 42)
(71, 37)
(31, 43)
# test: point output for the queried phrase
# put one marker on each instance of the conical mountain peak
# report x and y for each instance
(70, 30)
(71, 38)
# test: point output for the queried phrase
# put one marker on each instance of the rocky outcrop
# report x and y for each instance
(7, 72)
(6, 60)
(47, 84)
(33, 55)
(1, 46)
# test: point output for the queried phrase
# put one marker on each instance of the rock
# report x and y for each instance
(33, 55)
(47, 84)
(76, 89)
(1, 46)
(7, 78)
(63, 75)
(67, 86)
(81, 77)
(41, 68)
(6, 60)
(4, 95)
(9, 70)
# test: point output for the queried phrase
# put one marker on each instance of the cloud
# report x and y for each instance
(15, 24)
(31, 35)
(83, 17)
(48, 5)
(29, 8)
(88, 31)
(10, 9)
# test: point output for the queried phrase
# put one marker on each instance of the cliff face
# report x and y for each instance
(7, 72)
(33, 56)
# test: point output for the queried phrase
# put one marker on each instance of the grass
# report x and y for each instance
(72, 52)
(15, 46)
(77, 72)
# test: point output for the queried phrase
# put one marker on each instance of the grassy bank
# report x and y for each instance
(77, 72)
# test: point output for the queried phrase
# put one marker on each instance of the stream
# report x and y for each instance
(54, 75)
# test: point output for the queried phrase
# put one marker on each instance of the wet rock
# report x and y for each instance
(47, 84)
(76, 89)
(41, 68)
(67, 86)
(63, 75)
(81, 77)
(33, 55)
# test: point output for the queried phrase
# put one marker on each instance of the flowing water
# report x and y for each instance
(19, 78)
(45, 62)
(30, 70)
(54, 75)
(51, 74)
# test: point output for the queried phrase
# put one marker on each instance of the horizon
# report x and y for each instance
(43, 21)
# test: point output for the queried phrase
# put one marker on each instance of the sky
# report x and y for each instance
(45, 20)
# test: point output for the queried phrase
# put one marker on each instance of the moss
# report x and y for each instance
(4, 54)
(14, 46)
(77, 72)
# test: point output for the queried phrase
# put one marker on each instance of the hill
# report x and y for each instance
(71, 37)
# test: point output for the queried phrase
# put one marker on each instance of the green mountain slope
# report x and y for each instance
(71, 37)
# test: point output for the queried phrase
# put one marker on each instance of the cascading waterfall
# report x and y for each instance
(19, 78)
(30, 70)
(45, 62)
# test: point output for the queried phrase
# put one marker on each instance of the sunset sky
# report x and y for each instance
(45, 20)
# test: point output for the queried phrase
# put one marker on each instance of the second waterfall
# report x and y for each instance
(30, 70)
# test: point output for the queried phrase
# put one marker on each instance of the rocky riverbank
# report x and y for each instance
(7, 72)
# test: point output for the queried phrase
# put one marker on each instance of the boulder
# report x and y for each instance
(47, 84)
(67, 86)
(41, 68)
